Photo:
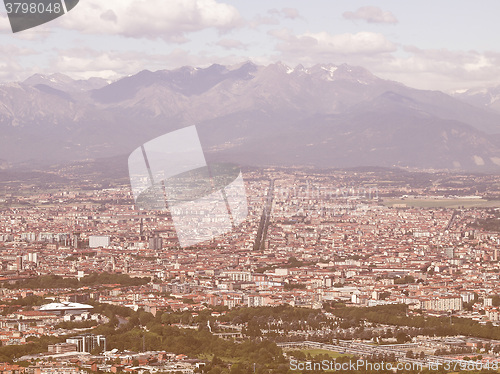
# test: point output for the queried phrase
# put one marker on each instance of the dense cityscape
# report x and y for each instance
(234, 187)
(373, 264)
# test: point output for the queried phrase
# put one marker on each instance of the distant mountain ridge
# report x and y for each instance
(326, 115)
(487, 97)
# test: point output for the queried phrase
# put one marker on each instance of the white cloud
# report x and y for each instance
(175, 20)
(443, 69)
(273, 17)
(290, 13)
(4, 23)
(170, 20)
(436, 69)
(371, 14)
(259, 20)
(231, 44)
(323, 44)
(83, 63)
(10, 67)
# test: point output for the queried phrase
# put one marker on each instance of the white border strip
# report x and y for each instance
(64, 6)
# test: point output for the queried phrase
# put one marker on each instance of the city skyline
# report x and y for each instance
(406, 275)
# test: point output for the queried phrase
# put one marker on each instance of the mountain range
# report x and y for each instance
(484, 97)
(324, 116)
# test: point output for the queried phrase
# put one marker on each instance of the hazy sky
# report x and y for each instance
(441, 44)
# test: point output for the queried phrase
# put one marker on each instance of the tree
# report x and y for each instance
(145, 317)
(216, 361)
(401, 337)
(113, 321)
(96, 350)
(133, 321)
(237, 369)
(384, 295)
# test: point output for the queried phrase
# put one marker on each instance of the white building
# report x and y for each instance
(66, 308)
(98, 241)
(443, 304)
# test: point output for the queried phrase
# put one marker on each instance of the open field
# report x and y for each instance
(316, 352)
(444, 203)
(209, 357)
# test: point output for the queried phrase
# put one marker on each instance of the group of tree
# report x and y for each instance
(411, 354)
(94, 279)
(433, 326)
(68, 325)
(139, 330)
(27, 303)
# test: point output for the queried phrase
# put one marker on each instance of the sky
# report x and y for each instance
(438, 45)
